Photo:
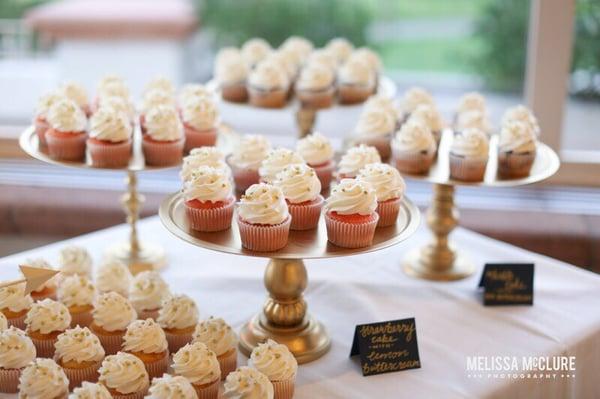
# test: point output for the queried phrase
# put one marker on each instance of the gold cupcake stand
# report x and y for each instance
(284, 315)
(439, 260)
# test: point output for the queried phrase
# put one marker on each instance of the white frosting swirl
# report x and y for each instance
(89, 390)
(325, 58)
(47, 316)
(169, 387)
(248, 383)
(80, 345)
(163, 124)
(470, 143)
(76, 290)
(274, 360)
(286, 61)
(356, 72)
(3, 322)
(474, 119)
(112, 86)
(315, 149)
(200, 113)
(268, 75)
(341, 48)
(471, 102)
(203, 156)
(75, 92)
(356, 158)
(299, 183)
(160, 83)
(375, 122)
(42, 264)
(381, 102)
(65, 116)
(109, 80)
(46, 102)
(74, 259)
(197, 363)
(108, 124)
(263, 204)
(520, 113)
(315, 76)
(193, 90)
(231, 69)
(414, 136)
(124, 373)
(208, 184)
(112, 312)
(276, 161)
(16, 349)
(119, 104)
(145, 336)
(113, 275)
(255, 50)
(42, 379)
(414, 97)
(156, 97)
(178, 312)
(430, 116)
(369, 56)
(352, 197)
(217, 335)
(385, 179)
(518, 137)
(250, 152)
(14, 299)
(147, 291)
(300, 46)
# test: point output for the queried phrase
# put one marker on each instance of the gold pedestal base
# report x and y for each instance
(416, 265)
(148, 257)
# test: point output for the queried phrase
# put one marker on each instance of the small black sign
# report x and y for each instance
(386, 346)
(507, 284)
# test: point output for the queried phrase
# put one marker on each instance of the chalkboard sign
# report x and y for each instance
(386, 346)
(507, 284)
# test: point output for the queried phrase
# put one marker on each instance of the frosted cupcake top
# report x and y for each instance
(385, 179)
(299, 183)
(315, 149)
(255, 50)
(42, 264)
(324, 57)
(124, 373)
(115, 276)
(286, 61)
(74, 259)
(14, 299)
(76, 290)
(430, 116)
(108, 124)
(43, 378)
(171, 387)
(356, 158)
(160, 83)
(298, 45)
(178, 312)
(156, 97)
(356, 72)
(274, 360)
(112, 85)
(381, 102)
(191, 90)
(65, 116)
(248, 383)
(75, 92)
(367, 55)
(16, 349)
(162, 124)
(47, 316)
(145, 336)
(470, 143)
(263, 204)
(147, 291)
(518, 137)
(217, 335)
(200, 113)
(3, 322)
(474, 119)
(203, 156)
(268, 76)
(231, 69)
(208, 184)
(315, 76)
(414, 136)
(46, 101)
(79, 345)
(250, 152)
(414, 97)
(471, 102)
(274, 163)
(352, 197)
(375, 122)
(197, 363)
(89, 390)
(341, 48)
(520, 113)
(112, 312)
(119, 104)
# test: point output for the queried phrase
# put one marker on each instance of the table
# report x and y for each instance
(451, 322)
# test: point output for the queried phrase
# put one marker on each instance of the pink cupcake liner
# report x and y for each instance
(227, 362)
(350, 235)
(388, 212)
(9, 380)
(110, 155)
(284, 389)
(324, 173)
(71, 148)
(41, 127)
(381, 143)
(44, 347)
(306, 217)
(134, 395)
(275, 98)
(199, 138)
(148, 314)
(235, 92)
(83, 319)
(177, 341)
(208, 392)
(77, 376)
(158, 367)
(467, 169)
(514, 164)
(18, 322)
(111, 343)
(264, 238)
(164, 153)
(211, 219)
(413, 162)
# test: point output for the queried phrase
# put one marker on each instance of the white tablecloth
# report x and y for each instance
(451, 322)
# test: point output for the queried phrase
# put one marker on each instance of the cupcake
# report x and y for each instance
(200, 118)
(164, 140)
(263, 218)
(389, 188)
(221, 339)
(151, 100)
(74, 259)
(268, 85)
(111, 316)
(231, 73)
(318, 153)
(516, 149)
(299, 45)
(341, 48)
(279, 365)
(146, 293)
(429, 115)
(66, 136)
(110, 140)
(43, 378)
(3, 322)
(119, 104)
(275, 162)
(246, 159)
(520, 113)
(301, 189)
(113, 275)
(171, 387)
(315, 86)
(48, 289)
(246, 383)
(14, 304)
(254, 51)
(414, 97)
(16, 352)
(414, 147)
(178, 316)
(355, 82)
(323, 57)
(369, 57)
(355, 159)
(469, 155)
(351, 216)
(80, 354)
(89, 390)
(77, 293)
(44, 322)
(203, 156)
(200, 367)
(124, 376)
(474, 119)
(146, 340)
(375, 128)
(471, 102)
(160, 83)
(77, 93)
(209, 200)
(40, 121)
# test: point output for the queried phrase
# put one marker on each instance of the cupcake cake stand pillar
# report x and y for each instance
(306, 119)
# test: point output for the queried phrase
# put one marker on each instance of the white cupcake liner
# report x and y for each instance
(9, 380)
(18, 322)
(148, 314)
(210, 391)
(158, 367)
(83, 319)
(284, 389)
(111, 343)
(77, 376)
(227, 362)
(177, 341)
(44, 347)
